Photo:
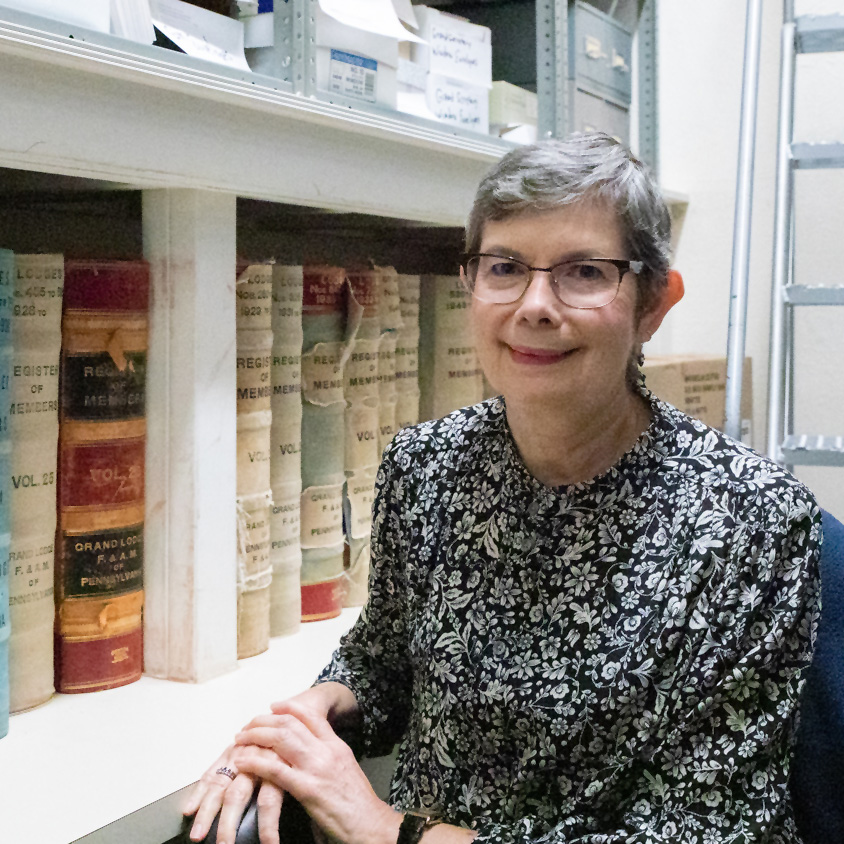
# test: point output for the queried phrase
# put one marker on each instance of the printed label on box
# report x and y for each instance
(352, 76)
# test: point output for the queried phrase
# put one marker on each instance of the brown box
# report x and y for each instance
(696, 384)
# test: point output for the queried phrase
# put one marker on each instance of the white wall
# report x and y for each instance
(701, 56)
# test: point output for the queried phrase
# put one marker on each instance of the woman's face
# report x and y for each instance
(538, 350)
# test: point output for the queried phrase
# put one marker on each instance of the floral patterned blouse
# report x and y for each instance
(613, 661)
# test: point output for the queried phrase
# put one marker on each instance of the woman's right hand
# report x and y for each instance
(222, 788)
(218, 791)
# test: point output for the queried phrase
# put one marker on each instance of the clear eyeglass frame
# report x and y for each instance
(598, 296)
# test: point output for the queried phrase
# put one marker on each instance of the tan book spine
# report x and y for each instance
(254, 292)
(33, 428)
(449, 373)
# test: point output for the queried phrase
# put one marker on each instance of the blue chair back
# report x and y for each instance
(817, 777)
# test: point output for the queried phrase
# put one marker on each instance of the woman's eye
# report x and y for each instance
(585, 271)
(503, 269)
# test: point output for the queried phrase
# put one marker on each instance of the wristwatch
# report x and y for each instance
(414, 825)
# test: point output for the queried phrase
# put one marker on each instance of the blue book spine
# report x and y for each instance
(7, 267)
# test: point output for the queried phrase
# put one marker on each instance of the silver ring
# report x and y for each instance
(226, 772)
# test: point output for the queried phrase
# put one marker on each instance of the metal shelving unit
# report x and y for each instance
(803, 35)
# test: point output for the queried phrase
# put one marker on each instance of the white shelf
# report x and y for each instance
(193, 136)
(93, 106)
(80, 762)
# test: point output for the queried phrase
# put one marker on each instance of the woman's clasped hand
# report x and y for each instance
(295, 750)
(299, 753)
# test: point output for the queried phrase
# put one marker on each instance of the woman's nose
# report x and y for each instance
(539, 301)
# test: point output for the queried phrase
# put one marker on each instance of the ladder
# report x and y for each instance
(801, 35)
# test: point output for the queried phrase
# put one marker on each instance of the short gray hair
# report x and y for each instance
(583, 167)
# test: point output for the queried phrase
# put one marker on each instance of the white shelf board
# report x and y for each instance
(94, 106)
(80, 762)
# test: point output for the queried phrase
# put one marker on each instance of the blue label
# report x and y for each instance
(351, 58)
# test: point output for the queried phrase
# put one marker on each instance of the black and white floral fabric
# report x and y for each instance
(614, 661)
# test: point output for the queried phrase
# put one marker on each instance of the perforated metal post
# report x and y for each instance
(648, 93)
(552, 37)
(302, 14)
(744, 205)
(780, 351)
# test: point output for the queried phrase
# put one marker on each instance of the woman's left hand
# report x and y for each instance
(302, 755)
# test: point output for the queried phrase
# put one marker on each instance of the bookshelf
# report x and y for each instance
(190, 148)
(185, 146)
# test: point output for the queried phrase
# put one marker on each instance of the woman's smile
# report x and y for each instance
(538, 357)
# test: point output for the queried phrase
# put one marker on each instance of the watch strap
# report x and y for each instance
(413, 826)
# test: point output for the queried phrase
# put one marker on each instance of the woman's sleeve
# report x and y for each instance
(719, 769)
(372, 659)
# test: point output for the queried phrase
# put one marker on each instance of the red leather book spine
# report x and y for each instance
(96, 664)
(100, 542)
(323, 600)
(102, 474)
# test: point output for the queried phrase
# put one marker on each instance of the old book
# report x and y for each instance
(254, 573)
(102, 448)
(7, 274)
(254, 292)
(449, 374)
(33, 428)
(286, 559)
(286, 450)
(324, 350)
(363, 375)
(360, 494)
(387, 397)
(407, 353)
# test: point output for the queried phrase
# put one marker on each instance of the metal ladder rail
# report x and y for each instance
(807, 34)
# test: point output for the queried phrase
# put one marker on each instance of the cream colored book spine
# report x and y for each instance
(254, 421)
(7, 275)
(449, 373)
(286, 451)
(34, 430)
(407, 353)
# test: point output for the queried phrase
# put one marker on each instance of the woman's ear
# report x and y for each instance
(669, 296)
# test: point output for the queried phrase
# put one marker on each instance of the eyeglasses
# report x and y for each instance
(586, 283)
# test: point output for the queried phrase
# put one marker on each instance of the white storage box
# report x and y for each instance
(513, 113)
(510, 105)
(355, 63)
(453, 47)
(459, 103)
(451, 73)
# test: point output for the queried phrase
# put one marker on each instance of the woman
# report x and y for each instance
(588, 613)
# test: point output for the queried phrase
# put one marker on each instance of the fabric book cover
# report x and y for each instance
(286, 451)
(102, 452)
(407, 353)
(7, 273)
(324, 352)
(449, 374)
(33, 422)
(254, 292)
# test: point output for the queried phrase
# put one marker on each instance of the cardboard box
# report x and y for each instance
(696, 384)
